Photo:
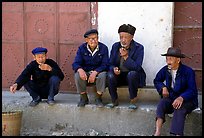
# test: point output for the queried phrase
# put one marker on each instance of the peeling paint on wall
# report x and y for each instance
(93, 14)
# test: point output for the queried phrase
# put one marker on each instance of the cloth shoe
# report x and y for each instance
(35, 102)
(99, 100)
(83, 100)
(133, 104)
(113, 104)
(51, 102)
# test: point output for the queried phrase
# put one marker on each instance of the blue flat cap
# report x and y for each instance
(92, 31)
(39, 50)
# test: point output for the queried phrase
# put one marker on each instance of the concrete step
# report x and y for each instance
(66, 119)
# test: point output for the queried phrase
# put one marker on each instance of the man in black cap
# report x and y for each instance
(41, 78)
(176, 85)
(90, 66)
(126, 66)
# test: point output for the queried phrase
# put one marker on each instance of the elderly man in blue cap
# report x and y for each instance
(175, 83)
(90, 66)
(41, 78)
(126, 66)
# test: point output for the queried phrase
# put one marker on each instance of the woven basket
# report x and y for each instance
(11, 123)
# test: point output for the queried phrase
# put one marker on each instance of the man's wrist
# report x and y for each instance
(125, 57)
(95, 72)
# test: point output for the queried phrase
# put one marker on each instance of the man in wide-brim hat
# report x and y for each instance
(174, 52)
(176, 85)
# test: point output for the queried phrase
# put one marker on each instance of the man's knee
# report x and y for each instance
(29, 85)
(102, 75)
(55, 79)
(76, 75)
(132, 74)
(110, 75)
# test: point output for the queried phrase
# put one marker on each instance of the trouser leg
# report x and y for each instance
(101, 82)
(164, 107)
(112, 85)
(100, 87)
(179, 116)
(33, 89)
(133, 81)
(54, 83)
(177, 122)
(80, 84)
(81, 89)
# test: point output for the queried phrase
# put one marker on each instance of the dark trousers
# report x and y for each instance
(45, 92)
(179, 115)
(130, 79)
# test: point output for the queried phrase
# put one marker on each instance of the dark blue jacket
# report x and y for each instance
(185, 84)
(40, 77)
(133, 62)
(97, 62)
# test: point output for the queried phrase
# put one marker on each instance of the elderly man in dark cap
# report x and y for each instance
(90, 66)
(176, 85)
(126, 66)
(41, 78)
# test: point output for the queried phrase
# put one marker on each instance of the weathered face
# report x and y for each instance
(172, 62)
(92, 40)
(40, 58)
(125, 39)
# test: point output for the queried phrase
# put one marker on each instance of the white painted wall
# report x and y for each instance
(153, 21)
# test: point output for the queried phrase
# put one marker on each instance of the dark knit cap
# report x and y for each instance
(127, 28)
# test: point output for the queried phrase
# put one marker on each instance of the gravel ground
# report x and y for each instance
(69, 131)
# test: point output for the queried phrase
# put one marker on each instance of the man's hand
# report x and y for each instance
(165, 92)
(92, 76)
(124, 53)
(177, 102)
(13, 87)
(45, 67)
(116, 70)
(82, 74)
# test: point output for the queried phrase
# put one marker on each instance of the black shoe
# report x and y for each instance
(51, 102)
(99, 102)
(35, 101)
(83, 100)
(82, 103)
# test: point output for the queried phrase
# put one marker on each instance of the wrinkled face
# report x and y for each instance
(125, 39)
(172, 62)
(40, 58)
(92, 40)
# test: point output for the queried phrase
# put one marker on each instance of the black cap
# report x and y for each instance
(127, 28)
(92, 31)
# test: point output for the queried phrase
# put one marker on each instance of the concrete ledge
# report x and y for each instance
(65, 118)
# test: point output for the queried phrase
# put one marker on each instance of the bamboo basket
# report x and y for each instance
(11, 123)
